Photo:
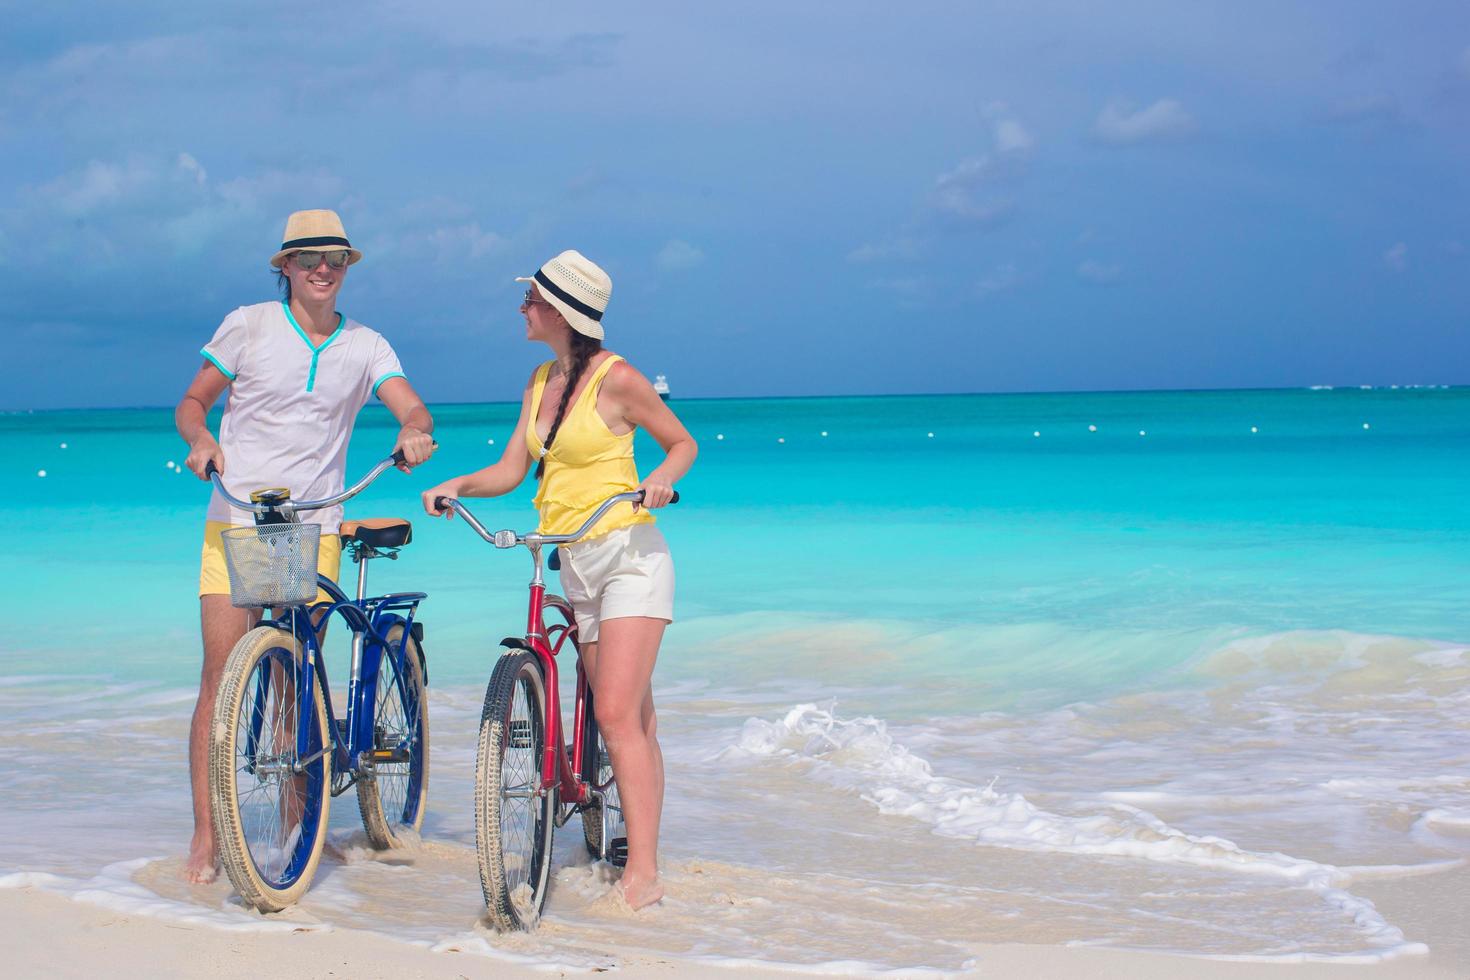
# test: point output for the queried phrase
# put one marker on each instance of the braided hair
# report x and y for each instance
(583, 349)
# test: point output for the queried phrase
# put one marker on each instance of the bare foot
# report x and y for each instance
(639, 892)
(202, 865)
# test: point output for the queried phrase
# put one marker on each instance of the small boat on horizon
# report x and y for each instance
(661, 385)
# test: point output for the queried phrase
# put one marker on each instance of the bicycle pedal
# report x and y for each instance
(520, 735)
(617, 852)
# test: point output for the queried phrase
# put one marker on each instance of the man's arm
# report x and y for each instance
(415, 437)
(191, 417)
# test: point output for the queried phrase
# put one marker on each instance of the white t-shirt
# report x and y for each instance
(292, 405)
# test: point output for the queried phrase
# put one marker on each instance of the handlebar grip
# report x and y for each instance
(210, 469)
(673, 500)
(441, 503)
(400, 459)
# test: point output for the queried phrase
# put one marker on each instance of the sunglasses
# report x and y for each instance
(531, 299)
(310, 260)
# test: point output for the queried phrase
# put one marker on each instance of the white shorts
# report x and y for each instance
(627, 572)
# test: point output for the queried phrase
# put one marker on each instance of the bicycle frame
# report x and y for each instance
(557, 770)
(370, 620)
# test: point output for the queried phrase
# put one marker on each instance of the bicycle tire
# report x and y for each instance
(513, 832)
(393, 799)
(597, 772)
(270, 825)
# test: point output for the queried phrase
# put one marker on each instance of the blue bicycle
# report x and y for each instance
(277, 752)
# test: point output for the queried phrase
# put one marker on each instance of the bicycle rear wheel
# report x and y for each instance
(513, 814)
(394, 798)
(269, 803)
(597, 772)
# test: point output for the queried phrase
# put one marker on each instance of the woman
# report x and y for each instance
(577, 419)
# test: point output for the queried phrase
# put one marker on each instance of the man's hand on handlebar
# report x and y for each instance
(413, 447)
(202, 452)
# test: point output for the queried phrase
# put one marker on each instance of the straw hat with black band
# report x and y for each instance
(577, 287)
(316, 231)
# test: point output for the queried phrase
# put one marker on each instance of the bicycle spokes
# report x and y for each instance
(272, 780)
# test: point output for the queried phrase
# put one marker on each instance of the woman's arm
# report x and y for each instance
(191, 418)
(637, 402)
(500, 477)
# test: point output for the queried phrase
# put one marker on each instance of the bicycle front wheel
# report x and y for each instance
(269, 801)
(513, 813)
(394, 798)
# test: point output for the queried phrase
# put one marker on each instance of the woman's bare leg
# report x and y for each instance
(620, 668)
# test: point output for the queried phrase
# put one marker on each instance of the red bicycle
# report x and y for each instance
(528, 780)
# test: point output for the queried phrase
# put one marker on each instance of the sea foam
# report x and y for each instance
(859, 754)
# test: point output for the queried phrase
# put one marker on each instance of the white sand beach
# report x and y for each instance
(85, 939)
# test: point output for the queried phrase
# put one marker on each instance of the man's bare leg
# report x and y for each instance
(221, 625)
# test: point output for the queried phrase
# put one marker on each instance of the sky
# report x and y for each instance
(791, 199)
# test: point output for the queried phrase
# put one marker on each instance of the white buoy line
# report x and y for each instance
(1035, 433)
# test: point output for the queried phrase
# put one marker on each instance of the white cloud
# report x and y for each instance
(1165, 119)
(905, 249)
(910, 286)
(678, 254)
(189, 165)
(1367, 110)
(464, 241)
(998, 280)
(152, 203)
(1011, 137)
(1100, 273)
(969, 192)
(964, 193)
(1396, 257)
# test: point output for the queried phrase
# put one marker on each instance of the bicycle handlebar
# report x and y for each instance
(289, 507)
(509, 539)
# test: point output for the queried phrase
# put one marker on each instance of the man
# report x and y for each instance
(297, 372)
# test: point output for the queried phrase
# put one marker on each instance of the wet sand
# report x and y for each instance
(83, 939)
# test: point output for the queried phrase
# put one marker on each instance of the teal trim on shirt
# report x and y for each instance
(390, 374)
(316, 352)
(215, 361)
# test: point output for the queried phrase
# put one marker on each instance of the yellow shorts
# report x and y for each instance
(214, 579)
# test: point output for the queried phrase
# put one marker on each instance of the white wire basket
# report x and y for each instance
(272, 564)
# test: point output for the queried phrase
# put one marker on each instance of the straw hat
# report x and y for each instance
(315, 230)
(578, 288)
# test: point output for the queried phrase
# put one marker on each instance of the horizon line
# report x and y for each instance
(890, 394)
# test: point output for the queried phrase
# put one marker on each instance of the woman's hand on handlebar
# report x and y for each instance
(448, 489)
(202, 452)
(415, 446)
(656, 494)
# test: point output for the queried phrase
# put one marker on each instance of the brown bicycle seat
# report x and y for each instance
(378, 532)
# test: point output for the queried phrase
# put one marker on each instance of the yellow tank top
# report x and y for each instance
(586, 463)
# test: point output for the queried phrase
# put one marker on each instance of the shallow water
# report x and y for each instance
(1178, 691)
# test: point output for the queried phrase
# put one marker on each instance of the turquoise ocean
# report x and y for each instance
(1168, 670)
